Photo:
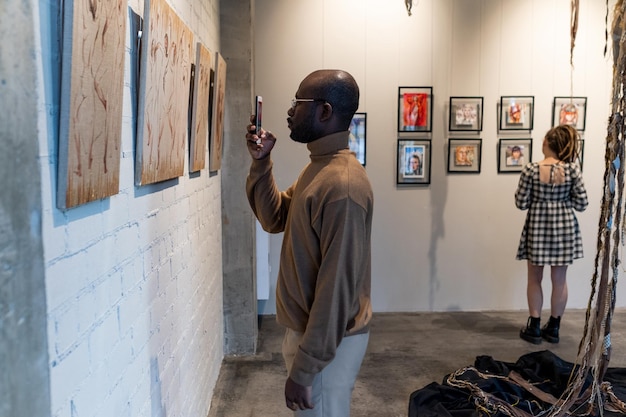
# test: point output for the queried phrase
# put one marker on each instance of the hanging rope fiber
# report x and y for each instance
(573, 30)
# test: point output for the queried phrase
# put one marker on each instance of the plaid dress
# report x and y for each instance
(551, 235)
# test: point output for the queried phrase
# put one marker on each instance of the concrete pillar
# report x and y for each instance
(238, 223)
(24, 379)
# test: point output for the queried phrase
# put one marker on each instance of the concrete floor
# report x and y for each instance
(406, 352)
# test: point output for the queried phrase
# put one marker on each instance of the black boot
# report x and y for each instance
(550, 331)
(532, 332)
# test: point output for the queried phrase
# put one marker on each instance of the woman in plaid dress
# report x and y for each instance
(550, 190)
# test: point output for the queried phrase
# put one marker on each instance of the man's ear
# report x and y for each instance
(327, 112)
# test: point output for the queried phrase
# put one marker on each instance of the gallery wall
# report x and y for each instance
(134, 280)
(451, 244)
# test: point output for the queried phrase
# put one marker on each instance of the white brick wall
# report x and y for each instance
(133, 282)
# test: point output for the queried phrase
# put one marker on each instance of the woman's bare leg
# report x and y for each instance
(558, 300)
(534, 292)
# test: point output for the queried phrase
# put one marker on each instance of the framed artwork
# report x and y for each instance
(200, 93)
(517, 112)
(464, 155)
(466, 114)
(92, 94)
(217, 119)
(358, 131)
(413, 165)
(164, 85)
(415, 105)
(513, 154)
(570, 111)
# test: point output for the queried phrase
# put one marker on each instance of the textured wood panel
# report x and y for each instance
(91, 101)
(199, 139)
(164, 83)
(217, 120)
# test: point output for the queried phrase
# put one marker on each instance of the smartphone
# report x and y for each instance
(258, 115)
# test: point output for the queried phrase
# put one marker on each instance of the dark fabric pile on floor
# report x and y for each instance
(545, 372)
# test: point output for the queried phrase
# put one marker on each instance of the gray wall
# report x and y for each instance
(24, 377)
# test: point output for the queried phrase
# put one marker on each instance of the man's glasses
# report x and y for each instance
(295, 101)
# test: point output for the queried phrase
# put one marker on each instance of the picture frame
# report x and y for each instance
(570, 111)
(358, 136)
(162, 119)
(466, 114)
(464, 155)
(218, 106)
(199, 115)
(415, 109)
(91, 102)
(514, 154)
(413, 161)
(517, 112)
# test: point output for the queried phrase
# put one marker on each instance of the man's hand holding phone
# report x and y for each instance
(260, 142)
(258, 113)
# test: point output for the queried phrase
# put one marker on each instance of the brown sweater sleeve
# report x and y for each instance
(270, 206)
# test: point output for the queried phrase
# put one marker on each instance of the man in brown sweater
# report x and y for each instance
(323, 288)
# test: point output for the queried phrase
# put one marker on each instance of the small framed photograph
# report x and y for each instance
(358, 133)
(570, 111)
(513, 154)
(464, 155)
(517, 112)
(466, 114)
(413, 161)
(415, 105)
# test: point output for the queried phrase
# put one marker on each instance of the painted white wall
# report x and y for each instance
(451, 245)
(134, 281)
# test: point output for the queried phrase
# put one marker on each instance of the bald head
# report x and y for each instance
(338, 88)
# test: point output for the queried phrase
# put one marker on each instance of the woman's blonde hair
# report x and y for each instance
(563, 140)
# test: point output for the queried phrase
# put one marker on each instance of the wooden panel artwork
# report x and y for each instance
(163, 95)
(199, 139)
(92, 86)
(217, 123)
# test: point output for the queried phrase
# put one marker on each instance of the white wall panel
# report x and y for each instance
(451, 245)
